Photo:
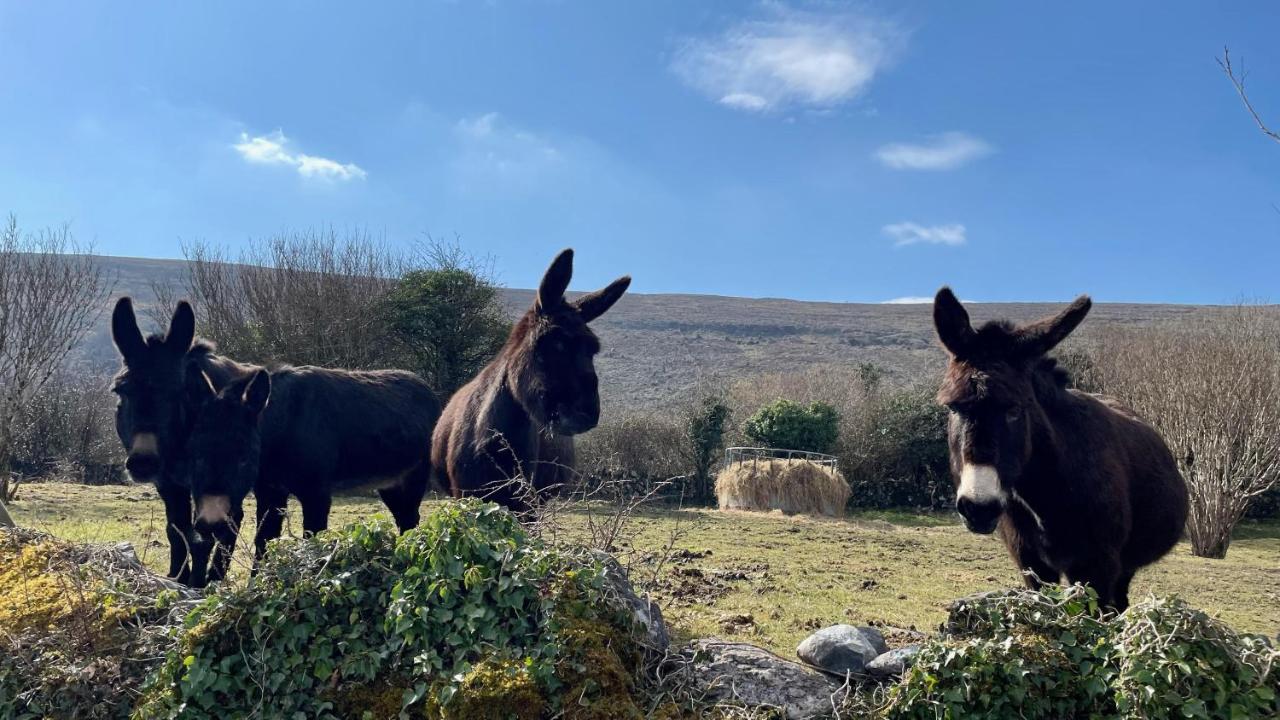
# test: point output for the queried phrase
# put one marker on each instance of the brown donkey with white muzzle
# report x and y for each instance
(1077, 485)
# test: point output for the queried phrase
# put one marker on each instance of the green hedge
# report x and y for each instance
(1052, 654)
(366, 622)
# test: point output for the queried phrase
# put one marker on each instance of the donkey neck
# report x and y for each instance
(222, 370)
(1042, 476)
(502, 410)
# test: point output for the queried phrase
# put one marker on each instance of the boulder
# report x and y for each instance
(842, 649)
(893, 663)
(732, 672)
(646, 613)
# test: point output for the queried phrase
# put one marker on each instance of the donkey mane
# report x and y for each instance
(202, 347)
(964, 382)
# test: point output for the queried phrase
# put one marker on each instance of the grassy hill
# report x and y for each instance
(656, 346)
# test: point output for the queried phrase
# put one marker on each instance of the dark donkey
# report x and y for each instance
(508, 434)
(321, 431)
(1078, 485)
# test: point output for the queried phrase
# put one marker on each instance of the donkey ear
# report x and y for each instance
(951, 321)
(555, 282)
(258, 392)
(182, 328)
(593, 305)
(124, 330)
(1042, 336)
(198, 388)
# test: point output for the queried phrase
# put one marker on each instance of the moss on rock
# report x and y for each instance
(79, 626)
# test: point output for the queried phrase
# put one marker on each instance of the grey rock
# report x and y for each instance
(842, 649)
(646, 613)
(876, 637)
(732, 672)
(894, 662)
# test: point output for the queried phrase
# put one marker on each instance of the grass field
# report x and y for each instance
(789, 574)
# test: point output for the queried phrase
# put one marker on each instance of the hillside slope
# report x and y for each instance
(656, 346)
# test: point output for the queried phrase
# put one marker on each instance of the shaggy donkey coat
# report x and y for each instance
(508, 434)
(1077, 485)
(300, 431)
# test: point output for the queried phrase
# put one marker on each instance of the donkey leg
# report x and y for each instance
(1100, 572)
(200, 549)
(1035, 570)
(224, 538)
(1122, 590)
(315, 513)
(404, 500)
(177, 515)
(272, 507)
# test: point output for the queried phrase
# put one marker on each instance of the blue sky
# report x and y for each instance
(826, 151)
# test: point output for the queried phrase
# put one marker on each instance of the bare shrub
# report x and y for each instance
(638, 451)
(68, 428)
(1212, 388)
(51, 292)
(311, 297)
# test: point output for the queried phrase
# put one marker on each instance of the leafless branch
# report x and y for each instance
(1237, 80)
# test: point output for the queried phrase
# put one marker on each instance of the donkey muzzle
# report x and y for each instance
(211, 511)
(980, 517)
(143, 462)
(142, 466)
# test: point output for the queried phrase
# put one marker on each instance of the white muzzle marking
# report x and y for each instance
(980, 484)
(145, 443)
(213, 509)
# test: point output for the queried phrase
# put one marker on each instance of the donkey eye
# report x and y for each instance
(1012, 415)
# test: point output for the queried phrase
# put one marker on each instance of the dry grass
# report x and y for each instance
(792, 486)
(790, 574)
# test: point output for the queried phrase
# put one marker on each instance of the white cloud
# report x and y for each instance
(794, 58)
(941, 152)
(909, 233)
(492, 148)
(272, 149)
(908, 300)
(744, 101)
(478, 127)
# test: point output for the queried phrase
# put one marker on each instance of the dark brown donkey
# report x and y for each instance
(319, 431)
(1078, 485)
(508, 434)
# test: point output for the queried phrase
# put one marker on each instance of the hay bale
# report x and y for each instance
(792, 486)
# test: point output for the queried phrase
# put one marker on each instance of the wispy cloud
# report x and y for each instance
(909, 233)
(492, 148)
(792, 58)
(908, 300)
(273, 149)
(941, 152)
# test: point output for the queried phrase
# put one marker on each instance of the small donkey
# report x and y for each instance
(317, 430)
